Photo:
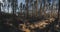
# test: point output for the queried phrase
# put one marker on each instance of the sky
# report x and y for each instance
(19, 1)
(23, 1)
(0, 0)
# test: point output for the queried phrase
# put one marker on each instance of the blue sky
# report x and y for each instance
(19, 1)
(23, 1)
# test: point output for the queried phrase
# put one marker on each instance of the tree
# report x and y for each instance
(32, 9)
(49, 7)
(4, 5)
(0, 7)
(27, 12)
(8, 8)
(40, 8)
(36, 8)
(52, 8)
(9, 3)
(21, 7)
(45, 7)
(32, 5)
(14, 5)
(59, 14)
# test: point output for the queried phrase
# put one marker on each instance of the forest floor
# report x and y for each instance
(10, 23)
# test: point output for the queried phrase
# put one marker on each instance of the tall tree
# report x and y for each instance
(59, 14)
(32, 5)
(32, 9)
(52, 8)
(14, 5)
(4, 5)
(36, 8)
(8, 8)
(45, 7)
(0, 7)
(21, 8)
(27, 12)
(40, 8)
(49, 7)
(9, 3)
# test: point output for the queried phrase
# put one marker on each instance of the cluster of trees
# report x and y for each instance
(35, 7)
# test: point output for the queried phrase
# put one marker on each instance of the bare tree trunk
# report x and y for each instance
(21, 11)
(32, 9)
(59, 14)
(40, 8)
(8, 9)
(20, 8)
(52, 9)
(0, 7)
(36, 8)
(45, 8)
(27, 8)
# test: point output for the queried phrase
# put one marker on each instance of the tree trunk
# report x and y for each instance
(45, 8)
(59, 14)
(0, 8)
(40, 8)
(8, 9)
(52, 9)
(27, 12)
(36, 8)
(21, 11)
(32, 9)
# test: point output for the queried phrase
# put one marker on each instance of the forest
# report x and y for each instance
(30, 16)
